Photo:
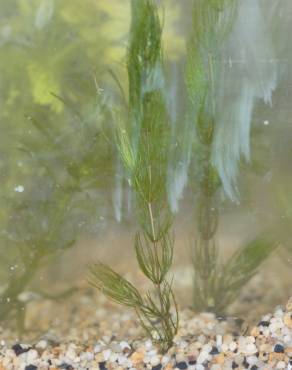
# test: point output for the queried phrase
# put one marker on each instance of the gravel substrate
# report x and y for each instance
(203, 342)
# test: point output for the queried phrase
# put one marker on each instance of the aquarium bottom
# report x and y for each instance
(203, 342)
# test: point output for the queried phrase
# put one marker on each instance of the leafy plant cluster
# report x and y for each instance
(51, 112)
(216, 284)
(143, 147)
(49, 214)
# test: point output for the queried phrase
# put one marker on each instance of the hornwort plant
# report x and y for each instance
(143, 145)
(45, 217)
(216, 285)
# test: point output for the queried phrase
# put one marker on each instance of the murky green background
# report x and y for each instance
(64, 200)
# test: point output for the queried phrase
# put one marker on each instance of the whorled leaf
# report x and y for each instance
(154, 257)
(113, 285)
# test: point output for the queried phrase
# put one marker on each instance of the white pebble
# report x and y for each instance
(106, 354)
(124, 345)
(154, 361)
(122, 360)
(207, 348)
(71, 354)
(250, 349)
(279, 312)
(250, 339)
(183, 344)
(224, 347)
(252, 360)
(31, 356)
(113, 357)
(232, 346)
(281, 365)
(219, 341)
(148, 344)
(42, 344)
(165, 359)
(203, 356)
(152, 353)
(97, 348)
(202, 339)
(87, 356)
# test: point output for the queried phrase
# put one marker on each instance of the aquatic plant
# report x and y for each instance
(143, 145)
(216, 285)
(211, 22)
(53, 46)
(49, 211)
(35, 233)
(47, 49)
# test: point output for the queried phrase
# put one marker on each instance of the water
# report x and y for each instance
(219, 152)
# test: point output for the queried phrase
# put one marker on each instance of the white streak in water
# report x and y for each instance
(179, 179)
(118, 193)
(177, 176)
(152, 79)
(44, 13)
(249, 73)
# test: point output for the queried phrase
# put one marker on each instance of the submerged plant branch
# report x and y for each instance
(114, 285)
(143, 146)
(215, 285)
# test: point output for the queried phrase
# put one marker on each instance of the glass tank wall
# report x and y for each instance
(122, 127)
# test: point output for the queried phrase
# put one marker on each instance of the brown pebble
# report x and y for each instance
(227, 338)
(191, 358)
(288, 320)
(99, 357)
(274, 356)
(289, 305)
(288, 351)
(137, 358)
(263, 356)
(255, 331)
(56, 351)
(219, 359)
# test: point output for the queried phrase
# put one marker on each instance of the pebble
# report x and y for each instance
(42, 344)
(279, 348)
(157, 367)
(19, 349)
(124, 345)
(281, 365)
(154, 361)
(250, 348)
(214, 351)
(182, 365)
(31, 367)
(232, 346)
(203, 356)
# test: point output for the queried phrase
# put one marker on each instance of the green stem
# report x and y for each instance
(165, 316)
